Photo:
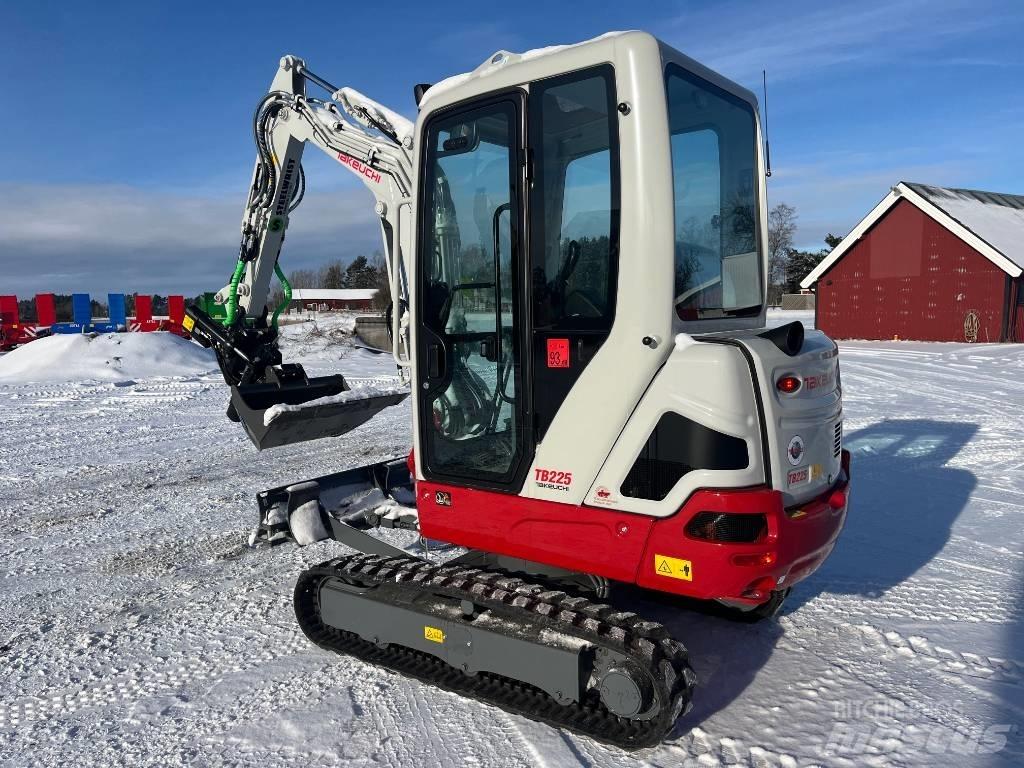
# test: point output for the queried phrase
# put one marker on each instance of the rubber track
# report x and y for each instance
(647, 643)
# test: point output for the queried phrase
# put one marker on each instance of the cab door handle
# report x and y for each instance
(435, 361)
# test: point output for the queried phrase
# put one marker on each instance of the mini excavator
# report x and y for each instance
(575, 242)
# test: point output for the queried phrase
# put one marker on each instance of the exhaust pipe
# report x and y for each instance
(789, 338)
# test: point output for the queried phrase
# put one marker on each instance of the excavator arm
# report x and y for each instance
(275, 401)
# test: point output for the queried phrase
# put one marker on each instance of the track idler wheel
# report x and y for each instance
(626, 692)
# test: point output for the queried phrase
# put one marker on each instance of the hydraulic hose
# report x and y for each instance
(287, 288)
(232, 306)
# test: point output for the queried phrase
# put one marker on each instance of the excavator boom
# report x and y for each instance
(277, 403)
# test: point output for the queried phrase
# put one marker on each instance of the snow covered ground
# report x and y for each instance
(137, 628)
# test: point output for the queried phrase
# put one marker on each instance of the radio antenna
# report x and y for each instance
(767, 144)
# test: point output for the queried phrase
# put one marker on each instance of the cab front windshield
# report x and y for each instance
(714, 177)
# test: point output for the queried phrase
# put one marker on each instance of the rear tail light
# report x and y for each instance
(763, 559)
(788, 384)
(728, 528)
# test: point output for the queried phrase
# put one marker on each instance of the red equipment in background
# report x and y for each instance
(14, 332)
(11, 332)
(46, 310)
(176, 313)
(144, 322)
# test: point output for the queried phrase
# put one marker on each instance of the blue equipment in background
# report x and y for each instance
(81, 311)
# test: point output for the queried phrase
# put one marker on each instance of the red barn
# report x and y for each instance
(327, 299)
(928, 263)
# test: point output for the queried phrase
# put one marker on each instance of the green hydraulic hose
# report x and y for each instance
(232, 307)
(287, 288)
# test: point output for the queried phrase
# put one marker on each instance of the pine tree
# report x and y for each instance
(360, 274)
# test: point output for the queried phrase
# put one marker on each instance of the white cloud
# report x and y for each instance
(58, 237)
(800, 39)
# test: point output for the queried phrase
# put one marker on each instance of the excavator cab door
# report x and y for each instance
(469, 326)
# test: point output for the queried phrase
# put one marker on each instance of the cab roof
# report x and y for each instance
(504, 68)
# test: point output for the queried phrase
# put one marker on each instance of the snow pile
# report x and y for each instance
(359, 106)
(378, 509)
(109, 357)
(355, 394)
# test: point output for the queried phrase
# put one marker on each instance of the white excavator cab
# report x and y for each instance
(576, 208)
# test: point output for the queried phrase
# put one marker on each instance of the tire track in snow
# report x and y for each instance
(699, 747)
(970, 602)
(920, 648)
(140, 681)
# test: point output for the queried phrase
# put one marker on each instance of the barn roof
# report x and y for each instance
(991, 223)
(333, 294)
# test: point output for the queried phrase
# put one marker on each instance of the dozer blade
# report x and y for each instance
(281, 413)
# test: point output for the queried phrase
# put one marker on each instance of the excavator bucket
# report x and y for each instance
(295, 410)
(278, 404)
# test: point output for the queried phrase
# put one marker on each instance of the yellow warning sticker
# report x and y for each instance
(673, 567)
(188, 323)
(433, 634)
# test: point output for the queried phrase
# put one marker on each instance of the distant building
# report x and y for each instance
(927, 263)
(325, 299)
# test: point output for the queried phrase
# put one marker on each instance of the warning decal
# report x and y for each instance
(433, 634)
(558, 353)
(673, 567)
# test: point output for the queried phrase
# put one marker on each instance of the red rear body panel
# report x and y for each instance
(629, 547)
(597, 541)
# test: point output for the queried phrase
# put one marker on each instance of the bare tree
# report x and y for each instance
(332, 275)
(781, 229)
(304, 278)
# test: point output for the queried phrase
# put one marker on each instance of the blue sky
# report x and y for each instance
(127, 149)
